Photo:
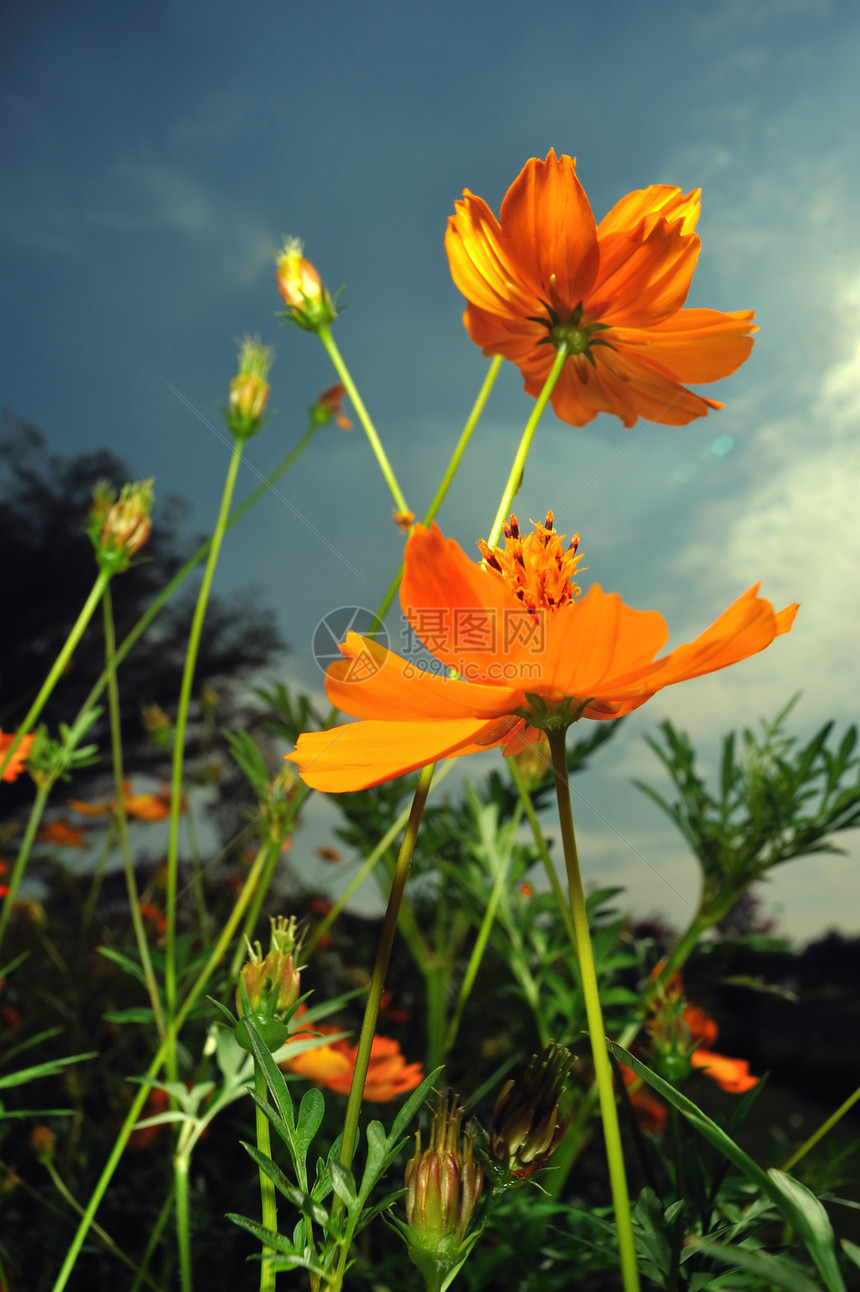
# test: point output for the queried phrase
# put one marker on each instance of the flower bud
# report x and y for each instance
(119, 527)
(443, 1189)
(269, 985)
(42, 1142)
(527, 1122)
(249, 389)
(306, 296)
(328, 406)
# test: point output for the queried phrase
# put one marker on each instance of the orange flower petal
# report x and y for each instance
(732, 1075)
(482, 265)
(547, 220)
(694, 345)
(362, 754)
(644, 276)
(16, 764)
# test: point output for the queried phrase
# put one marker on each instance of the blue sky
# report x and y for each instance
(154, 156)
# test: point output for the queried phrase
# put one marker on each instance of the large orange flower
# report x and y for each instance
(545, 272)
(528, 652)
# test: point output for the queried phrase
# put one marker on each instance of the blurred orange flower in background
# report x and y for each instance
(732, 1075)
(15, 766)
(63, 833)
(144, 807)
(332, 1066)
(545, 272)
(592, 657)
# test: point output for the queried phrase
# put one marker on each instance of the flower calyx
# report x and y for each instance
(268, 988)
(577, 336)
(249, 389)
(118, 527)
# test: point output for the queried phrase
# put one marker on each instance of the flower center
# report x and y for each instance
(577, 336)
(538, 568)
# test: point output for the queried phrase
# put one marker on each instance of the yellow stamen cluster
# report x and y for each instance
(538, 568)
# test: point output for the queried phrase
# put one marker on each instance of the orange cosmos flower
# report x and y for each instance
(15, 766)
(332, 1066)
(732, 1075)
(545, 272)
(528, 651)
(144, 807)
(63, 833)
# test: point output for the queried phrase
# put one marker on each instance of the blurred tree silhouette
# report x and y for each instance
(46, 571)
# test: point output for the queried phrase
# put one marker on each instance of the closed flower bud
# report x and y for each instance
(42, 1142)
(249, 389)
(305, 295)
(527, 1122)
(119, 527)
(443, 1189)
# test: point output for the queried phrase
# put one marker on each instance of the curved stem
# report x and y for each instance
(122, 819)
(594, 1014)
(324, 333)
(377, 982)
(516, 474)
(24, 851)
(267, 1189)
(191, 564)
(58, 666)
(152, 1072)
(822, 1131)
(499, 883)
(179, 751)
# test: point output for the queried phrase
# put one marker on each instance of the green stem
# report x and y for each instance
(153, 1070)
(154, 1238)
(267, 1188)
(58, 666)
(122, 819)
(541, 844)
(377, 982)
(33, 823)
(170, 986)
(105, 1238)
(594, 1014)
(183, 1220)
(499, 883)
(343, 372)
(437, 980)
(367, 866)
(191, 564)
(822, 1131)
(515, 477)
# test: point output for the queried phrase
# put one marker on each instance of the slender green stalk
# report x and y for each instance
(324, 333)
(65, 1193)
(540, 841)
(499, 883)
(122, 819)
(24, 851)
(154, 1238)
(267, 1188)
(465, 436)
(367, 866)
(594, 1014)
(516, 473)
(58, 666)
(823, 1129)
(170, 986)
(134, 1111)
(450, 472)
(183, 1220)
(191, 564)
(377, 982)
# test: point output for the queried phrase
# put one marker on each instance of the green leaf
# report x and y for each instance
(136, 1014)
(343, 1184)
(310, 1115)
(852, 1251)
(127, 965)
(784, 1275)
(800, 1208)
(812, 1224)
(413, 1103)
(274, 1077)
(651, 1226)
(49, 1069)
(377, 1157)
